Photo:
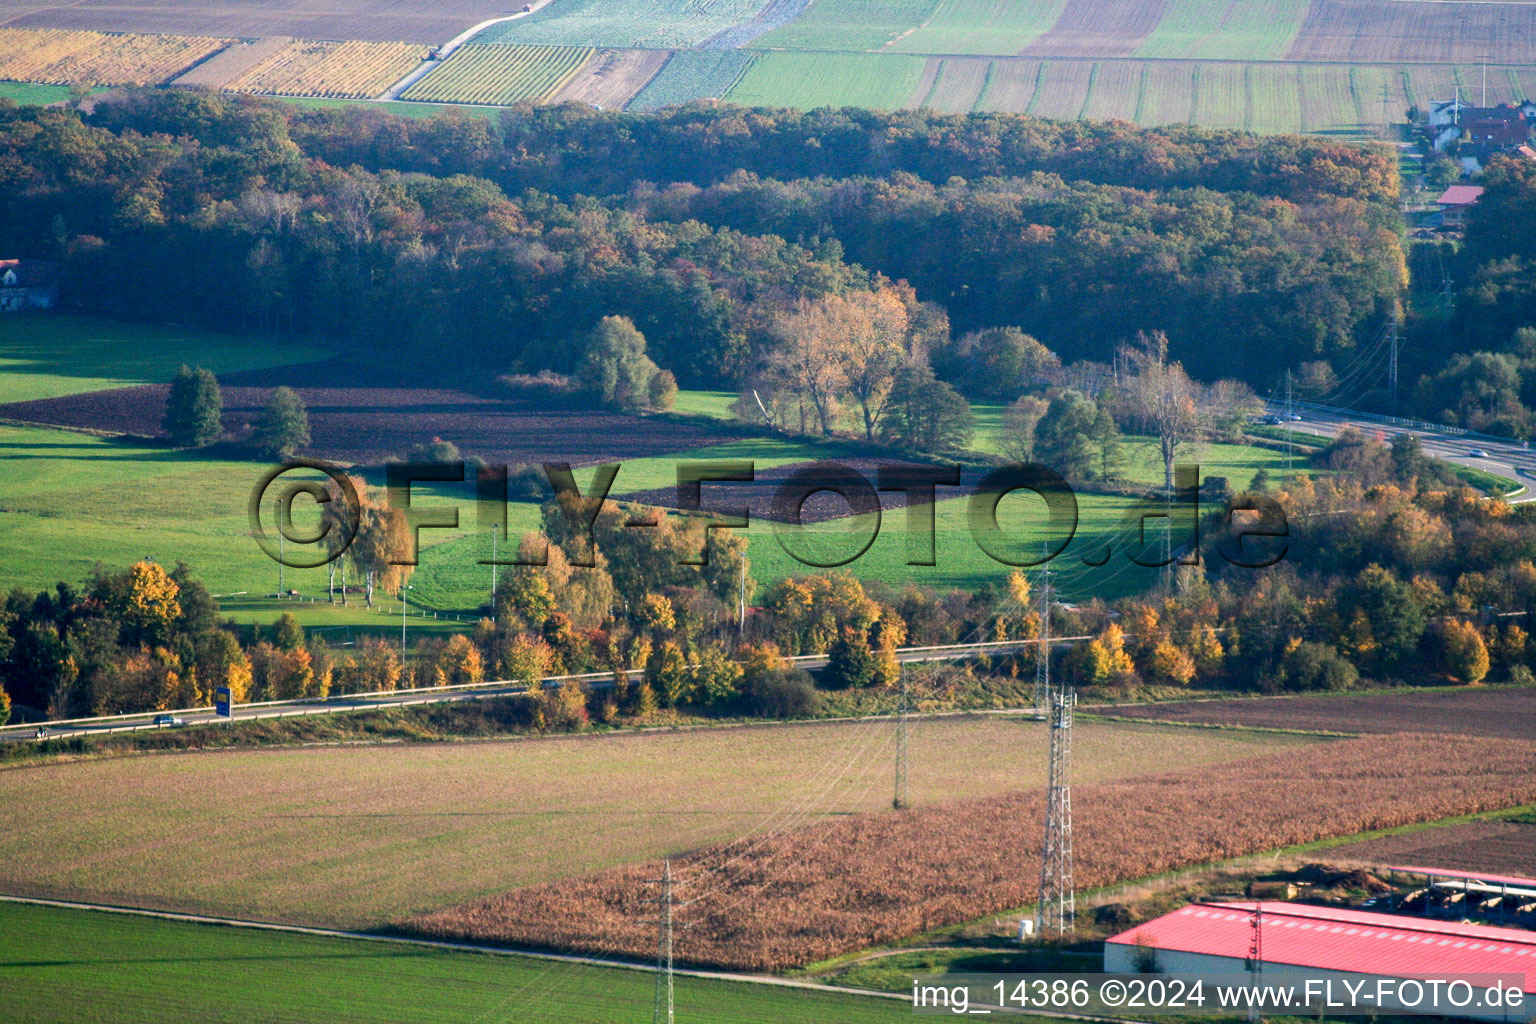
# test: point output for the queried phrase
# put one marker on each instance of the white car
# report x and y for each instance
(167, 720)
(1478, 453)
(1294, 417)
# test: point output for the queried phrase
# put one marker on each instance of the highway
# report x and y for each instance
(1505, 458)
(106, 725)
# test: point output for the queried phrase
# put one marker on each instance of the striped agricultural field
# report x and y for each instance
(996, 27)
(497, 74)
(1274, 98)
(344, 70)
(694, 75)
(1169, 94)
(1064, 89)
(1226, 29)
(1116, 91)
(1222, 96)
(1011, 86)
(956, 85)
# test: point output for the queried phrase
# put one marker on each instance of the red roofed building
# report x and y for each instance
(1454, 203)
(1301, 942)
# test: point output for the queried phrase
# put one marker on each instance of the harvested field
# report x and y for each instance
(611, 78)
(694, 75)
(1415, 30)
(1099, 28)
(381, 21)
(362, 836)
(773, 15)
(95, 58)
(1499, 847)
(233, 62)
(798, 897)
(1504, 713)
(350, 70)
(356, 419)
(500, 74)
(1000, 27)
(958, 84)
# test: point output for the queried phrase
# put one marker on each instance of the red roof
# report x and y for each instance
(1472, 876)
(1460, 195)
(1343, 940)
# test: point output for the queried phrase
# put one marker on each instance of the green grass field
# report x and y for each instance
(808, 80)
(73, 500)
(981, 27)
(33, 92)
(48, 355)
(359, 836)
(856, 24)
(58, 964)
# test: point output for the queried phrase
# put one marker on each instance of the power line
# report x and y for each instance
(662, 1006)
(1055, 915)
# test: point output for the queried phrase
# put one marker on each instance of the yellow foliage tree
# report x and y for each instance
(460, 663)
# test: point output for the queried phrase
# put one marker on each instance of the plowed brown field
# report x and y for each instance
(802, 896)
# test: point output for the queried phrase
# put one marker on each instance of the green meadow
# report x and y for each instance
(59, 964)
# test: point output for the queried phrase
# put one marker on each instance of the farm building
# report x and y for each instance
(1454, 203)
(28, 284)
(1300, 942)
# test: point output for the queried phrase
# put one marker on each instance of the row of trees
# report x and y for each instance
(1393, 573)
(402, 237)
(194, 416)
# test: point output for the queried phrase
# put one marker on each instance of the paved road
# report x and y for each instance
(446, 50)
(70, 728)
(1504, 458)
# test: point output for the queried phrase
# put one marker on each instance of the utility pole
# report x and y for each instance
(1057, 910)
(403, 588)
(901, 801)
(741, 601)
(1484, 103)
(662, 1008)
(1042, 697)
(1290, 407)
(277, 505)
(495, 529)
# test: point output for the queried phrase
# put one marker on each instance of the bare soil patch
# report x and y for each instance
(1415, 30)
(1509, 713)
(804, 895)
(612, 77)
(357, 419)
(232, 62)
(1499, 847)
